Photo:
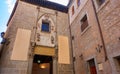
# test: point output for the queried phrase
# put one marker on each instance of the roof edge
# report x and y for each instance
(13, 11)
(48, 4)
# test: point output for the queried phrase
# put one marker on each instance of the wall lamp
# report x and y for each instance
(98, 48)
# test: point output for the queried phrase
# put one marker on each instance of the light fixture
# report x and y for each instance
(38, 61)
(42, 66)
(98, 48)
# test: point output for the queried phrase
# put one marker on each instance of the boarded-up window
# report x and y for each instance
(84, 23)
(63, 50)
(21, 45)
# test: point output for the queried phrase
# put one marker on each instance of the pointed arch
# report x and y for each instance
(46, 18)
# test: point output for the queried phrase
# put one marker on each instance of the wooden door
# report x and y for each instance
(92, 66)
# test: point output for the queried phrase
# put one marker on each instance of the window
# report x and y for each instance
(84, 23)
(45, 27)
(73, 10)
(100, 2)
(78, 2)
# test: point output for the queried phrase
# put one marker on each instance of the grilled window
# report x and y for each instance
(84, 23)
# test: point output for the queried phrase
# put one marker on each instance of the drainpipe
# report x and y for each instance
(100, 30)
(71, 43)
(72, 49)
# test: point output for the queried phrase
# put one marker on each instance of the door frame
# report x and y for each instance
(50, 62)
(88, 66)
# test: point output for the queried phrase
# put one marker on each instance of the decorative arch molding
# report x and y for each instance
(46, 18)
(46, 38)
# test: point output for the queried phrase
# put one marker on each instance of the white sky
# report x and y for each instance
(10, 4)
(63, 2)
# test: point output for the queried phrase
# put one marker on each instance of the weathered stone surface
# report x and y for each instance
(26, 17)
(85, 43)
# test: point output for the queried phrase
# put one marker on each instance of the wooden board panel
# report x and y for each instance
(21, 45)
(63, 50)
(41, 50)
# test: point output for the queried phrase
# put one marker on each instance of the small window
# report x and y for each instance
(100, 2)
(45, 27)
(84, 23)
(78, 2)
(73, 10)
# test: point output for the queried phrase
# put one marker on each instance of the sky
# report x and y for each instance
(63, 2)
(6, 7)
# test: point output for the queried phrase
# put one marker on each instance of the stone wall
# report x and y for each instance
(26, 17)
(19, 20)
(86, 42)
(109, 17)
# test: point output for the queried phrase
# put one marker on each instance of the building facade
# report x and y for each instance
(36, 30)
(48, 38)
(95, 31)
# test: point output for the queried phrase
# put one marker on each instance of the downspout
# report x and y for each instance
(100, 30)
(71, 43)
